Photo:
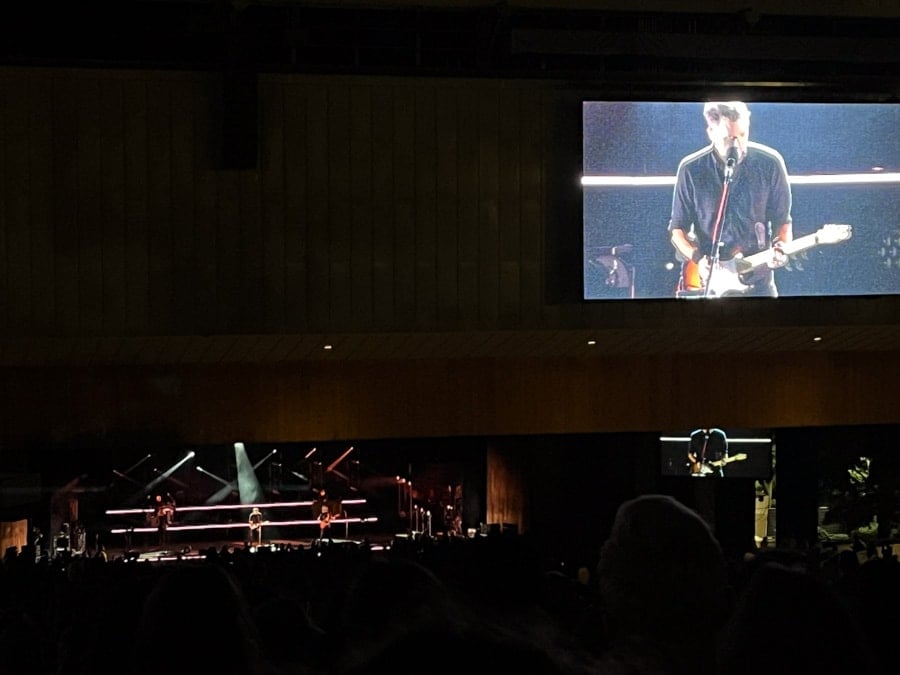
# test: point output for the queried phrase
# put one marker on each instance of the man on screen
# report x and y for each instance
(732, 199)
(708, 452)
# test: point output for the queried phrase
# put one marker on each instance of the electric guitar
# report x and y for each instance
(725, 277)
(325, 519)
(706, 468)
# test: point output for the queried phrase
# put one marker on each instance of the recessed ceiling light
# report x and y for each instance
(818, 338)
(326, 347)
(592, 342)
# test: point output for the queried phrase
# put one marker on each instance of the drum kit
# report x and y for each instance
(608, 273)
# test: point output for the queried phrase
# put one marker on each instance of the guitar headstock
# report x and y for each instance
(834, 233)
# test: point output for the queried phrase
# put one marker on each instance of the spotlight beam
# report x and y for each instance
(340, 459)
(212, 475)
(161, 477)
(125, 476)
(232, 486)
(174, 480)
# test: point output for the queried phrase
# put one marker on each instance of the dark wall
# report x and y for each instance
(377, 205)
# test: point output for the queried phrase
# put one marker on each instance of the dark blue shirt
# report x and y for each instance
(759, 202)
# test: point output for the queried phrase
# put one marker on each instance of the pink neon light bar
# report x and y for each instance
(226, 507)
(227, 526)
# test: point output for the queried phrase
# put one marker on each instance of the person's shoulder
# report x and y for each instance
(694, 157)
(763, 151)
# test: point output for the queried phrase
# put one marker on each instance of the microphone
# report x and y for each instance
(731, 159)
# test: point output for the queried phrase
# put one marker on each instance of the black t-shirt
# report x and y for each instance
(708, 445)
(759, 202)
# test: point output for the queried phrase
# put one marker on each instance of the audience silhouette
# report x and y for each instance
(664, 600)
(665, 590)
(797, 623)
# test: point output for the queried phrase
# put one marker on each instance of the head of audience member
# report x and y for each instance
(799, 624)
(663, 583)
(197, 618)
(387, 599)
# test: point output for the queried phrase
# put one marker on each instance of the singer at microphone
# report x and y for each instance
(732, 157)
(712, 222)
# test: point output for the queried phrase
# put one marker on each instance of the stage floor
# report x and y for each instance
(184, 550)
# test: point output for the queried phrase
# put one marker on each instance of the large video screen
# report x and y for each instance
(724, 178)
(714, 452)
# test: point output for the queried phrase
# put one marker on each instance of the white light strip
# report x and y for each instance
(846, 178)
(685, 439)
(625, 181)
(814, 179)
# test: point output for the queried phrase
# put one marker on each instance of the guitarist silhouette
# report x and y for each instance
(708, 452)
(326, 510)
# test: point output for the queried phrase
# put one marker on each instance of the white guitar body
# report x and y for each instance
(725, 277)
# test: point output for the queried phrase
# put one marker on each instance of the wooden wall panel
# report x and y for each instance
(490, 120)
(507, 491)
(404, 205)
(7, 86)
(111, 147)
(137, 207)
(16, 241)
(531, 207)
(64, 197)
(337, 199)
(432, 398)
(425, 179)
(446, 199)
(391, 205)
(160, 206)
(40, 172)
(316, 219)
(297, 186)
(509, 205)
(273, 296)
(182, 115)
(359, 174)
(90, 206)
(251, 249)
(382, 220)
(468, 206)
(228, 255)
(205, 220)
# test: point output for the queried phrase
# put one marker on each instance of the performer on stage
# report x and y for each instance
(732, 199)
(256, 525)
(165, 515)
(326, 510)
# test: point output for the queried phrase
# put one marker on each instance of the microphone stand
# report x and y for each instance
(717, 226)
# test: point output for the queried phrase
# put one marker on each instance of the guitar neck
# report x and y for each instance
(733, 458)
(751, 262)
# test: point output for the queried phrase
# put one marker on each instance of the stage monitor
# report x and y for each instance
(832, 169)
(716, 453)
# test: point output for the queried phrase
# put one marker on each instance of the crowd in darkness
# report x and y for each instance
(663, 598)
